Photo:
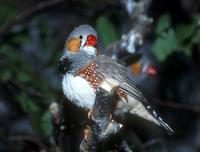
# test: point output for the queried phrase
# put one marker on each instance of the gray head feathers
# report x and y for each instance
(82, 30)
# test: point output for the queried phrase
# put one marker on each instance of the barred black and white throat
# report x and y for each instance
(84, 70)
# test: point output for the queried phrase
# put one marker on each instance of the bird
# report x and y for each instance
(142, 69)
(85, 69)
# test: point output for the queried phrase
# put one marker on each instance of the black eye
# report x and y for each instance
(80, 37)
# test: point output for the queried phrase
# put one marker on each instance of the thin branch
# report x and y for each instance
(31, 139)
(125, 147)
(195, 6)
(170, 104)
(155, 141)
(58, 118)
(26, 14)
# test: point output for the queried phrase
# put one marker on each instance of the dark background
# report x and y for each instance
(32, 37)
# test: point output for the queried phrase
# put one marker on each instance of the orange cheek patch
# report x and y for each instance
(136, 69)
(73, 45)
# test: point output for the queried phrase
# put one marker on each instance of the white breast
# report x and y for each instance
(78, 90)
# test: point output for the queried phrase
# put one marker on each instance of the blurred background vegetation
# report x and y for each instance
(32, 36)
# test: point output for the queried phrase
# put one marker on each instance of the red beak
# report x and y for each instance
(91, 40)
(151, 70)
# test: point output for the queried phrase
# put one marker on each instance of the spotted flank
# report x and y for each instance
(122, 94)
(89, 74)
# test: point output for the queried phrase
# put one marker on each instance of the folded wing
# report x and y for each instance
(109, 68)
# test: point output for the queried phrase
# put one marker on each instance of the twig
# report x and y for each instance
(125, 147)
(155, 141)
(102, 127)
(133, 139)
(58, 118)
(31, 139)
(170, 104)
(26, 14)
(195, 6)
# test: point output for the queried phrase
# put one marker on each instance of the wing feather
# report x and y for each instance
(109, 68)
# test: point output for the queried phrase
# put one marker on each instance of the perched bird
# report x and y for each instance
(85, 70)
(141, 69)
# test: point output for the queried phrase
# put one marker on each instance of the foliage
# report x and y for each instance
(105, 26)
(181, 37)
(8, 12)
(32, 97)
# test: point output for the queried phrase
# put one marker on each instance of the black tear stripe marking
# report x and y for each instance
(64, 65)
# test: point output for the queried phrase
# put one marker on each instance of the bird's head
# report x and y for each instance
(80, 47)
(82, 38)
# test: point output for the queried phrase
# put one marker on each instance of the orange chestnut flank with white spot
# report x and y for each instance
(85, 71)
(89, 74)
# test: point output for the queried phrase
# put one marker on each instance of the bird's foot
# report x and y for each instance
(90, 114)
(86, 133)
(110, 116)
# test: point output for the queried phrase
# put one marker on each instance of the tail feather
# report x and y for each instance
(146, 112)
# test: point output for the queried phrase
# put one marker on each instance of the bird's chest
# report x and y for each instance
(81, 88)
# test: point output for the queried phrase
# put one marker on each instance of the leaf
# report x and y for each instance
(196, 38)
(184, 32)
(22, 39)
(46, 124)
(163, 24)
(8, 12)
(23, 77)
(27, 104)
(106, 30)
(196, 18)
(165, 46)
(7, 75)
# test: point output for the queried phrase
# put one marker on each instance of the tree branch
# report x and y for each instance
(102, 127)
(174, 105)
(26, 14)
(31, 139)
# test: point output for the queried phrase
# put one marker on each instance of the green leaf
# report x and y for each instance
(10, 53)
(27, 104)
(196, 38)
(165, 46)
(106, 30)
(187, 50)
(196, 18)
(23, 77)
(7, 75)
(163, 24)
(46, 124)
(8, 12)
(22, 39)
(184, 32)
